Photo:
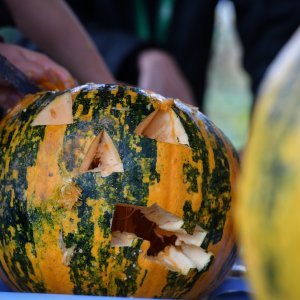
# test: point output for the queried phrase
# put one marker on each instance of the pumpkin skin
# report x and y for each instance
(46, 202)
(269, 189)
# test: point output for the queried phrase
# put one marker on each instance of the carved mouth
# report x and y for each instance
(170, 245)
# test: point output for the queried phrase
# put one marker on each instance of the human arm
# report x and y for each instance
(159, 72)
(57, 31)
(139, 62)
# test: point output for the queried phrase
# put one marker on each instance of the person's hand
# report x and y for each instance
(159, 72)
(38, 67)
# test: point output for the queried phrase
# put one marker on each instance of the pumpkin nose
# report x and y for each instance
(102, 156)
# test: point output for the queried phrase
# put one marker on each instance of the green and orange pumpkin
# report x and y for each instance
(111, 190)
(269, 188)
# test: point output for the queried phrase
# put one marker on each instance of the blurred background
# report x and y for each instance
(228, 98)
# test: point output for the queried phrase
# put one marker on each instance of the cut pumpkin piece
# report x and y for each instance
(175, 249)
(197, 255)
(195, 239)
(122, 239)
(162, 218)
(164, 126)
(174, 260)
(58, 112)
(183, 237)
(102, 156)
(182, 259)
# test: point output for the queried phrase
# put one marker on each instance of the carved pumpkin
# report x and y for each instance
(111, 190)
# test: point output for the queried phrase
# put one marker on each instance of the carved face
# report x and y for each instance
(116, 191)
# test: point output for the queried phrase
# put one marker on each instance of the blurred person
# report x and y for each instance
(162, 45)
(36, 66)
(58, 33)
(165, 45)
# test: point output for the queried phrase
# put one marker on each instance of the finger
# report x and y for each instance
(45, 72)
(38, 67)
(60, 77)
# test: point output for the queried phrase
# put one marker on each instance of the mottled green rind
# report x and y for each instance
(13, 210)
(216, 185)
(127, 187)
(216, 193)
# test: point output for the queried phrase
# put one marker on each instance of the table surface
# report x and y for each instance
(233, 288)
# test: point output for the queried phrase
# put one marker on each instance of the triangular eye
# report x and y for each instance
(58, 112)
(163, 126)
(102, 156)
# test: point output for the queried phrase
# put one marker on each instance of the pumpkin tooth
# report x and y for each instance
(163, 125)
(182, 259)
(58, 112)
(183, 237)
(197, 255)
(102, 156)
(174, 260)
(122, 239)
(195, 239)
(162, 218)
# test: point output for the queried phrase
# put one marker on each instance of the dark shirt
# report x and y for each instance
(264, 26)
(112, 25)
